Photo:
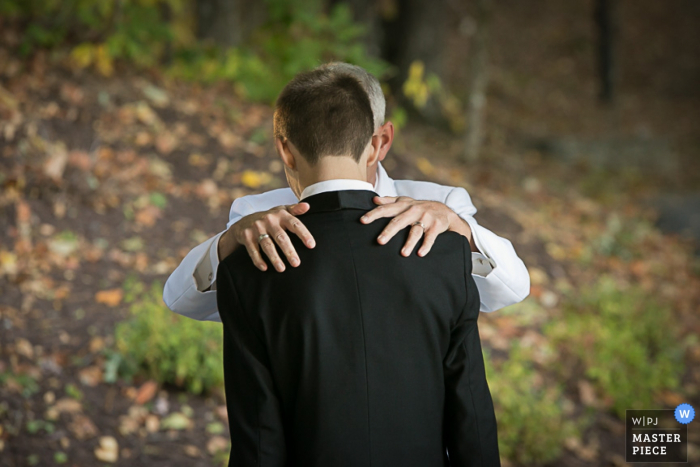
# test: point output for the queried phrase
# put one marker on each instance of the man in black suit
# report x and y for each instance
(359, 356)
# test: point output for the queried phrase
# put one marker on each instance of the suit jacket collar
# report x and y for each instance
(343, 199)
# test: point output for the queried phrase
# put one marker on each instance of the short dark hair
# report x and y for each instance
(325, 112)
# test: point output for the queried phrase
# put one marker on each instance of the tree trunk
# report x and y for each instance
(416, 31)
(606, 21)
(478, 81)
(229, 23)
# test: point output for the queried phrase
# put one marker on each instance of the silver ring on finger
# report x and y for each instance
(419, 223)
(263, 237)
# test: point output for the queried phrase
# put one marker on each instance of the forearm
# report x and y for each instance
(461, 226)
(509, 280)
(185, 292)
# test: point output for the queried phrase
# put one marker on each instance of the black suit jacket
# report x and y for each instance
(359, 356)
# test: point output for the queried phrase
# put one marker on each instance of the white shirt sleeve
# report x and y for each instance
(191, 289)
(505, 280)
(509, 281)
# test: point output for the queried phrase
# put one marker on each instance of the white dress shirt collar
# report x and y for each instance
(384, 185)
(335, 185)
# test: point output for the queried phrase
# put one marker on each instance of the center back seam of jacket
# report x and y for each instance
(364, 339)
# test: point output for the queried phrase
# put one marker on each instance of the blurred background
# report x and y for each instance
(127, 128)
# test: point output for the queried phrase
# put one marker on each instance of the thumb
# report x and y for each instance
(381, 200)
(299, 208)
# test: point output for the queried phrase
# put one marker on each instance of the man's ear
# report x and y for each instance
(375, 150)
(386, 135)
(285, 153)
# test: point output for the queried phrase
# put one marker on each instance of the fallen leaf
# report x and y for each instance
(228, 140)
(82, 427)
(156, 95)
(97, 343)
(146, 115)
(176, 421)
(56, 161)
(148, 216)
(112, 297)
(152, 423)
(90, 376)
(217, 444)
(24, 348)
(128, 425)
(146, 392)
(108, 451)
(143, 138)
(68, 405)
(166, 142)
(192, 451)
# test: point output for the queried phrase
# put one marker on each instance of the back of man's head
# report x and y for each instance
(325, 112)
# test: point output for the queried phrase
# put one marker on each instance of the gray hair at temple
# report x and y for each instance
(369, 83)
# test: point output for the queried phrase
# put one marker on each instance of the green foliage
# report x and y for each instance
(625, 340)
(298, 37)
(73, 391)
(25, 382)
(532, 423)
(33, 426)
(110, 29)
(164, 346)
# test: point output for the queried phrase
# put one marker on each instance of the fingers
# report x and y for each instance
(400, 222)
(268, 246)
(414, 235)
(428, 241)
(253, 248)
(381, 200)
(297, 227)
(387, 210)
(285, 244)
(298, 209)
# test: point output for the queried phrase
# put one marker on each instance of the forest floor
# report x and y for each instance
(105, 177)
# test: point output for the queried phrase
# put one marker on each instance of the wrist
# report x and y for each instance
(462, 227)
(227, 244)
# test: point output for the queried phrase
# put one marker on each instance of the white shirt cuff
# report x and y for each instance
(205, 271)
(482, 263)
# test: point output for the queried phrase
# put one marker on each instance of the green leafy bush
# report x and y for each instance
(532, 421)
(163, 346)
(106, 29)
(298, 36)
(627, 343)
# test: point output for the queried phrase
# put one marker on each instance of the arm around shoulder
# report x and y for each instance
(509, 281)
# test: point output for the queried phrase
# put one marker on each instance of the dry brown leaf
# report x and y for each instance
(166, 142)
(108, 450)
(82, 427)
(192, 451)
(152, 423)
(56, 161)
(228, 140)
(68, 405)
(24, 348)
(146, 392)
(148, 216)
(217, 444)
(90, 376)
(97, 343)
(111, 297)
